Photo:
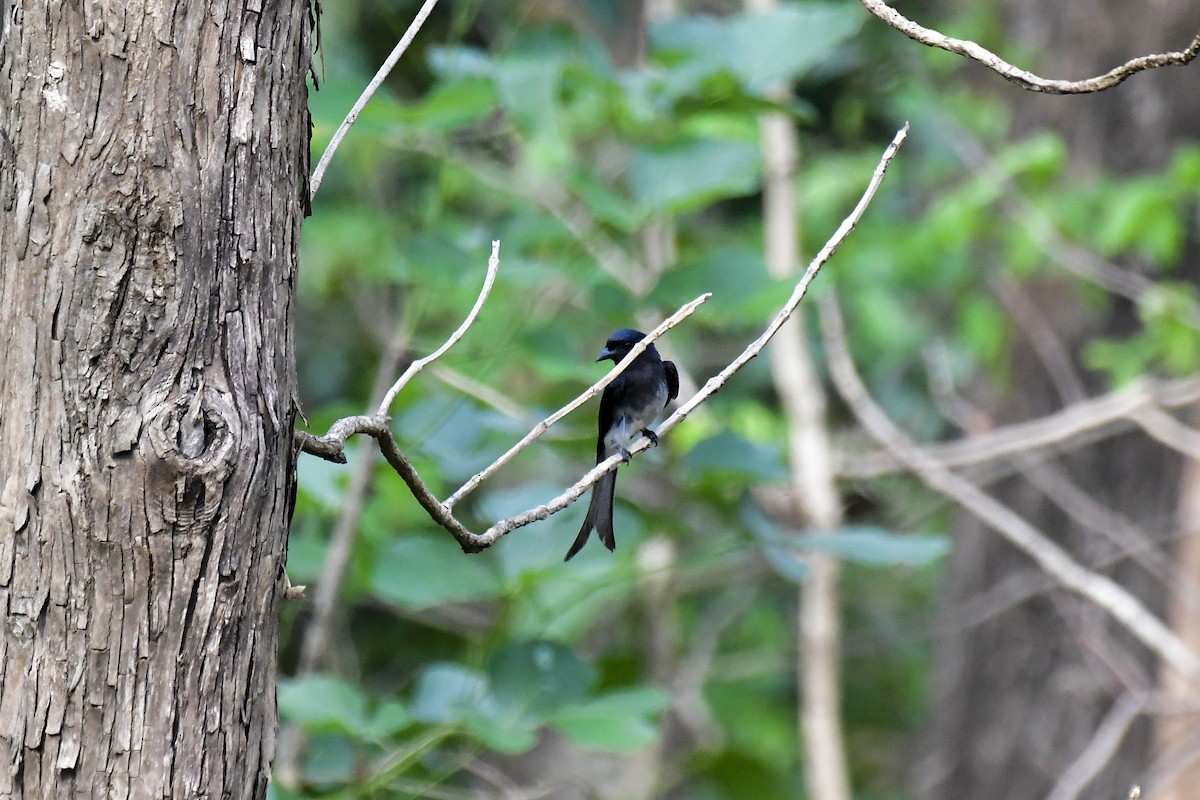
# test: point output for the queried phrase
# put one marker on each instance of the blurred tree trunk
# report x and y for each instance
(1023, 683)
(153, 160)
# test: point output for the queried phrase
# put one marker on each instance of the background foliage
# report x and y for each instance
(516, 121)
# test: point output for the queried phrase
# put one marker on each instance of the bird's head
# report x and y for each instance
(620, 343)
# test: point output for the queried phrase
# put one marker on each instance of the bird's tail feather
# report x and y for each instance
(599, 516)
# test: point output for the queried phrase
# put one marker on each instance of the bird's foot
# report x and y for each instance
(625, 454)
(651, 435)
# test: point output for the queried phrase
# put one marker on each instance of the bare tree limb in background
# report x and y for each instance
(372, 87)
(1100, 750)
(1072, 427)
(1022, 78)
(331, 445)
(1099, 589)
(811, 466)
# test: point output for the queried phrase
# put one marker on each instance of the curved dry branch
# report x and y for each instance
(1056, 562)
(1076, 425)
(488, 281)
(376, 426)
(1023, 78)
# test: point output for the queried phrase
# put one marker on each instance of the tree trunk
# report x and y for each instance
(153, 160)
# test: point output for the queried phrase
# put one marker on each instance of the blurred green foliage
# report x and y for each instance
(502, 124)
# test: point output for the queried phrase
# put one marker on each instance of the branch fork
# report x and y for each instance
(331, 446)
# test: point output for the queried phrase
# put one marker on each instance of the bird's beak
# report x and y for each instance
(606, 354)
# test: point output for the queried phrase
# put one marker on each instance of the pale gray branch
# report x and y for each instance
(1101, 749)
(418, 365)
(405, 40)
(1023, 78)
(1167, 430)
(1074, 425)
(1099, 589)
(592, 391)
(330, 445)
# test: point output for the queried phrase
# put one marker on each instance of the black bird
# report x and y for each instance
(627, 407)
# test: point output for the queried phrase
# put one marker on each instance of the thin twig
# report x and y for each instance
(368, 93)
(1102, 747)
(485, 394)
(1063, 430)
(330, 445)
(592, 391)
(754, 348)
(1022, 78)
(818, 621)
(1165, 429)
(418, 365)
(1099, 589)
(717, 381)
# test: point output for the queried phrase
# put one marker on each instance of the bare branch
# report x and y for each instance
(754, 348)
(405, 40)
(330, 445)
(595, 389)
(485, 394)
(1074, 425)
(1042, 337)
(418, 365)
(717, 381)
(1022, 78)
(1099, 589)
(1165, 429)
(1101, 749)
(1131, 541)
(811, 466)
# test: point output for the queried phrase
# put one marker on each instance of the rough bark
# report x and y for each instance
(153, 156)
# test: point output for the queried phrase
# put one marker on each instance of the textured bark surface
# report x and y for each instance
(152, 168)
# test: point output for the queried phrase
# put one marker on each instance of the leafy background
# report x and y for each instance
(516, 121)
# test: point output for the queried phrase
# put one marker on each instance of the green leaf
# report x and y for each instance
(456, 62)
(527, 88)
(454, 104)
(728, 456)
(786, 562)
(985, 327)
(617, 721)
(872, 547)
(691, 174)
(875, 547)
(736, 276)
(423, 570)
(531, 679)
(319, 702)
(757, 719)
(1144, 217)
(390, 718)
(445, 692)
(451, 693)
(762, 50)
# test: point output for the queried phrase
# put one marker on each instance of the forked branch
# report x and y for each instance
(1056, 562)
(330, 445)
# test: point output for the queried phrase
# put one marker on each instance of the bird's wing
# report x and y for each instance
(610, 399)
(672, 380)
